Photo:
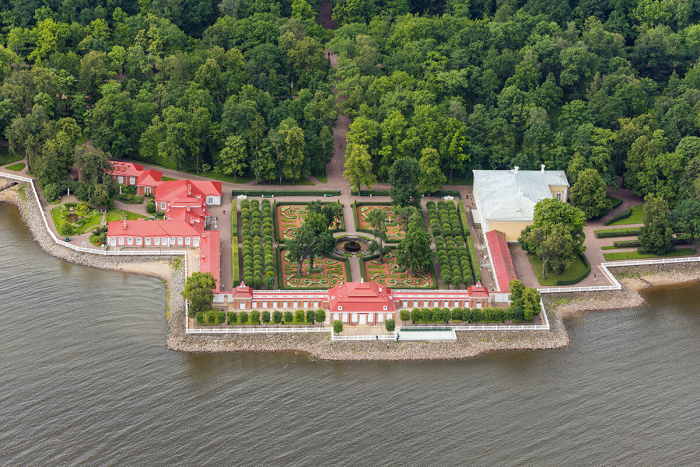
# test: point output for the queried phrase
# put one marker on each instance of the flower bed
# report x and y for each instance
(389, 274)
(393, 231)
(290, 216)
(329, 272)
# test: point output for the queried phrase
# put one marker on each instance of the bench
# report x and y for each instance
(365, 194)
(327, 195)
(268, 196)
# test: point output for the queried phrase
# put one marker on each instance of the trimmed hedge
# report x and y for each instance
(627, 243)
(280, 284)
(235, 264)
(581, 276)
(286, 192)
(617, 233)
(364, 259)
(356, 219)
(616, 202)
(619, 217)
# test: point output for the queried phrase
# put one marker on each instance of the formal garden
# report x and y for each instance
(327, 272)
(390, 274)
(258, 254)
(290, 216)
(363, 224)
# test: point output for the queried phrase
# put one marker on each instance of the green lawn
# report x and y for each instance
(94, 219)
(637, 217)
(16, 167)
(322, 178)
(576, 269)
(130, 216)
(609, 247)
(168, 179)
(7, 158)
(635, 255)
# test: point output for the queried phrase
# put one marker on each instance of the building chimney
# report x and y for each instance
(515, 170)
(542, 168)
(380, 288)
(520, 191)
(192, 221)
(188, 209)
(189, 189)
(124, 224)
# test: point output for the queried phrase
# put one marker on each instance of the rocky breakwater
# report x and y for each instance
(468, 344)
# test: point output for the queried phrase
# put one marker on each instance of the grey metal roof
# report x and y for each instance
(499, 192)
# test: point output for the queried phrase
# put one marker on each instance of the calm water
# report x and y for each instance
(85, 379)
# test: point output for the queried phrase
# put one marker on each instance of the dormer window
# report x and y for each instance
(385, 307)
(340, 307)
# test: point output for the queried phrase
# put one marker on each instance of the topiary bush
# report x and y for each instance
(243, 317)
(211, 317)
(277, 317)
(321, 316)
(288, 317)
(310, 317)
(390, 325)
(199, 317)
(299, 316)
(337, 326)
(232, 317)
(255, 317)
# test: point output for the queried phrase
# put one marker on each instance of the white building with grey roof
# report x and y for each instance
(505, 199)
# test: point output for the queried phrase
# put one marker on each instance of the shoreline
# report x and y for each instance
(469, 344)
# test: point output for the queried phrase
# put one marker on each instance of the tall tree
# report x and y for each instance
(656, 236)
(589, 194)
(358, 167)
(234, 156)
(685, 219)
(199, 292)
(377, 220)
(549, 212)
(312, 238)
(431, 179)
(553, 245)
(414, 250)
(403, 177)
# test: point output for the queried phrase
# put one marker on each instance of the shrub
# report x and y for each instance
(151, 207)
(426, 315)
(508, 314)
(288, 317)
(337, 326)
(266, 317)
(310, 316)
(405, 315)
(320, 316)
(476, 315)
(619, 217)
(277, 317)
(199, 316)
(390, 325)
(457, 314)
(232, 317)
(445, 315)
(518, 314)
(243, 317)
(211, 317)
(617, 232)
(221, 317)
(416, 315)
(299, 316)
(255, 317)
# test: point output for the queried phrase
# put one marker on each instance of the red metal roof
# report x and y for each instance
(142, 228)
(501, 259)
(478, 291)
(210, 255)
(126, 169)
(361, 296)
(149, 178)
(178, 190)
(242, 291)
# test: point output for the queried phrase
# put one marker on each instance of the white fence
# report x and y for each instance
(380, 337)
(617, 264)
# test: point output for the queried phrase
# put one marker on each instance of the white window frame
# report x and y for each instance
(405, 303)
(295, 305)
(380, 317)
(274, 304)
(130, 241)
(148, 241)
(139, 241)
(162, 206)
(242, 306)
(284, 305)
(121, 180)
(196, 241)
(210, 200)
(147, 190)
(132, 181)
(558, 195)
(315, 304)
(436, 304)
(425, 304)
(478, 305)
(172, 240)
(264, 305)
(113, 241)
(121, 241)
(336, 316)
(164, 242)
(188, 240)
(254, 305)
(354, 317)
(345, 317)
(306, 304)
(156, 241)
(179, 241)
(415, 303)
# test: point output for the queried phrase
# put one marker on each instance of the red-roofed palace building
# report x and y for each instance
(210, 255)
(153, 234)
(361, 303)
(128, 173)
(184, 193)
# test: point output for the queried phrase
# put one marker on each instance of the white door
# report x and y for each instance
(363, 319)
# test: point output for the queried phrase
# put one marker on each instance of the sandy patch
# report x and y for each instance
(160, 269)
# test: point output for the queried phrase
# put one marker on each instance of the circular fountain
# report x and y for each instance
(352, 245)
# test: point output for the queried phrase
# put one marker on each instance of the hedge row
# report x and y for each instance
(619, 217)
(258, 255)
(235, 265)
(210, 318)
(474, 315)
(255, 317)
(286, 192)
(627, 243)
(616, 203)
(617, 232)
(580, 277)
(453, 256)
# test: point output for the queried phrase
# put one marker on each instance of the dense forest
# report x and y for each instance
(243, 87)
